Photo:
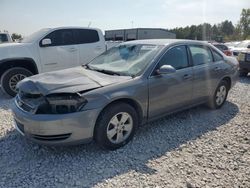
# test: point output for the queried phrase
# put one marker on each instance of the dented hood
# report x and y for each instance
(70, 80)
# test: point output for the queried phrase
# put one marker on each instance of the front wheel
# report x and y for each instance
(11, 77)
(116, 126)
(220, 95)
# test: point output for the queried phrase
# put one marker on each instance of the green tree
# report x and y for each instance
(16, 36)
(227, 28)
(245, 23)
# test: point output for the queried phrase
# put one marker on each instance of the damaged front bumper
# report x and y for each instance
(54, 129)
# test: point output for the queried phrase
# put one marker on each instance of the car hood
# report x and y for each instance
(15, 50)
(13, 45)
(237, 49)
(71, 80)
(246, 51)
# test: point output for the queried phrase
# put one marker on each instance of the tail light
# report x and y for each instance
(228, 53)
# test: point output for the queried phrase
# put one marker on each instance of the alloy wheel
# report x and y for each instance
(120, 127)
(221, 95)
(14, 80)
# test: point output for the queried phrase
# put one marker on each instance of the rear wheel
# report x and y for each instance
(220, 95)
(116, 126)
(11, 77)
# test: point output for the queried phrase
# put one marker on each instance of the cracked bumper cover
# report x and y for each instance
(56, 129)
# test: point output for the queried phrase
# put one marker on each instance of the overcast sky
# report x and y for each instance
(27, 16)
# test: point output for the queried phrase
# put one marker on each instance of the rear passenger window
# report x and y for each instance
(84, 36)
(177, 57)
(61, 37)
(221, 47)
(217, 56)
(201, 55)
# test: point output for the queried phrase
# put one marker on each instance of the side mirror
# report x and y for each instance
(46, 42)
(248, 46)
(166, 69)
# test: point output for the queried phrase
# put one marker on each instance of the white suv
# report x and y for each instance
(48, 50)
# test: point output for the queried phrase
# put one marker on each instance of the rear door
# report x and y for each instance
(207, 71)
(62, 53)
(171, 91)
(90, 44)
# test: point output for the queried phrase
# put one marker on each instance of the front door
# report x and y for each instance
(172, 91)
(62, 53)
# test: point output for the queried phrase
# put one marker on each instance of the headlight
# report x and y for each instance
(66, 103)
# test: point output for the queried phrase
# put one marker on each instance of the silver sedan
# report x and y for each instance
(128, 85)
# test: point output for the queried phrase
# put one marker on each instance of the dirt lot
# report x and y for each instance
(194, 148)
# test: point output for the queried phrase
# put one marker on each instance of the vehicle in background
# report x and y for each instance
(130, 84)
(241, 47)
(48, 50)
(5, 38)
(232, 44)
(223, 48)
(111, 44)
(244, 62)
(138, 34)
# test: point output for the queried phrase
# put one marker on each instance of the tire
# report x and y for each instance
(11, 77)
(220, 92)
(243, 74)
(106, 123)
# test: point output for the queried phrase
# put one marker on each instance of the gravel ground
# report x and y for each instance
(194, 148)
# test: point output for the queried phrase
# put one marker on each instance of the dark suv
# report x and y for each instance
(244, 60)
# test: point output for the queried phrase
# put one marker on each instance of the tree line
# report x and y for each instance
(222, 32)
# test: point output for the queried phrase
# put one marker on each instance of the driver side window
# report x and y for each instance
(61, 37)
(176, 57)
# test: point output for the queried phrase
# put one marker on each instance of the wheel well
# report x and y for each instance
(24, 63)
(132, 103)
(228, 80)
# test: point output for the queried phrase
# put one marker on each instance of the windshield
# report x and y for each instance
(127, 59)
(243, 44)
(35, 36)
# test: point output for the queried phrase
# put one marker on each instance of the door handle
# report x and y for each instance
(187, 76)
(72, 49)
(98, 48)
(216, 69)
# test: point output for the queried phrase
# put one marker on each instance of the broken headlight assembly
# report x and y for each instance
(65, 103)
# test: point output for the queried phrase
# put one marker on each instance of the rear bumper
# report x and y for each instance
(65, 129)
(244, 65)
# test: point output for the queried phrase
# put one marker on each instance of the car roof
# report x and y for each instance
(165, 42)
(218, 44)
(71, 27)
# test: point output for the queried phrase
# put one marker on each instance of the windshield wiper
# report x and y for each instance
(102, 70)
(87, 67)
(107, 72)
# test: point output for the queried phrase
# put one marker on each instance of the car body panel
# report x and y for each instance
(19, 51)
(71, 80)
(53, 57)
(164, 88)
(78, 125)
